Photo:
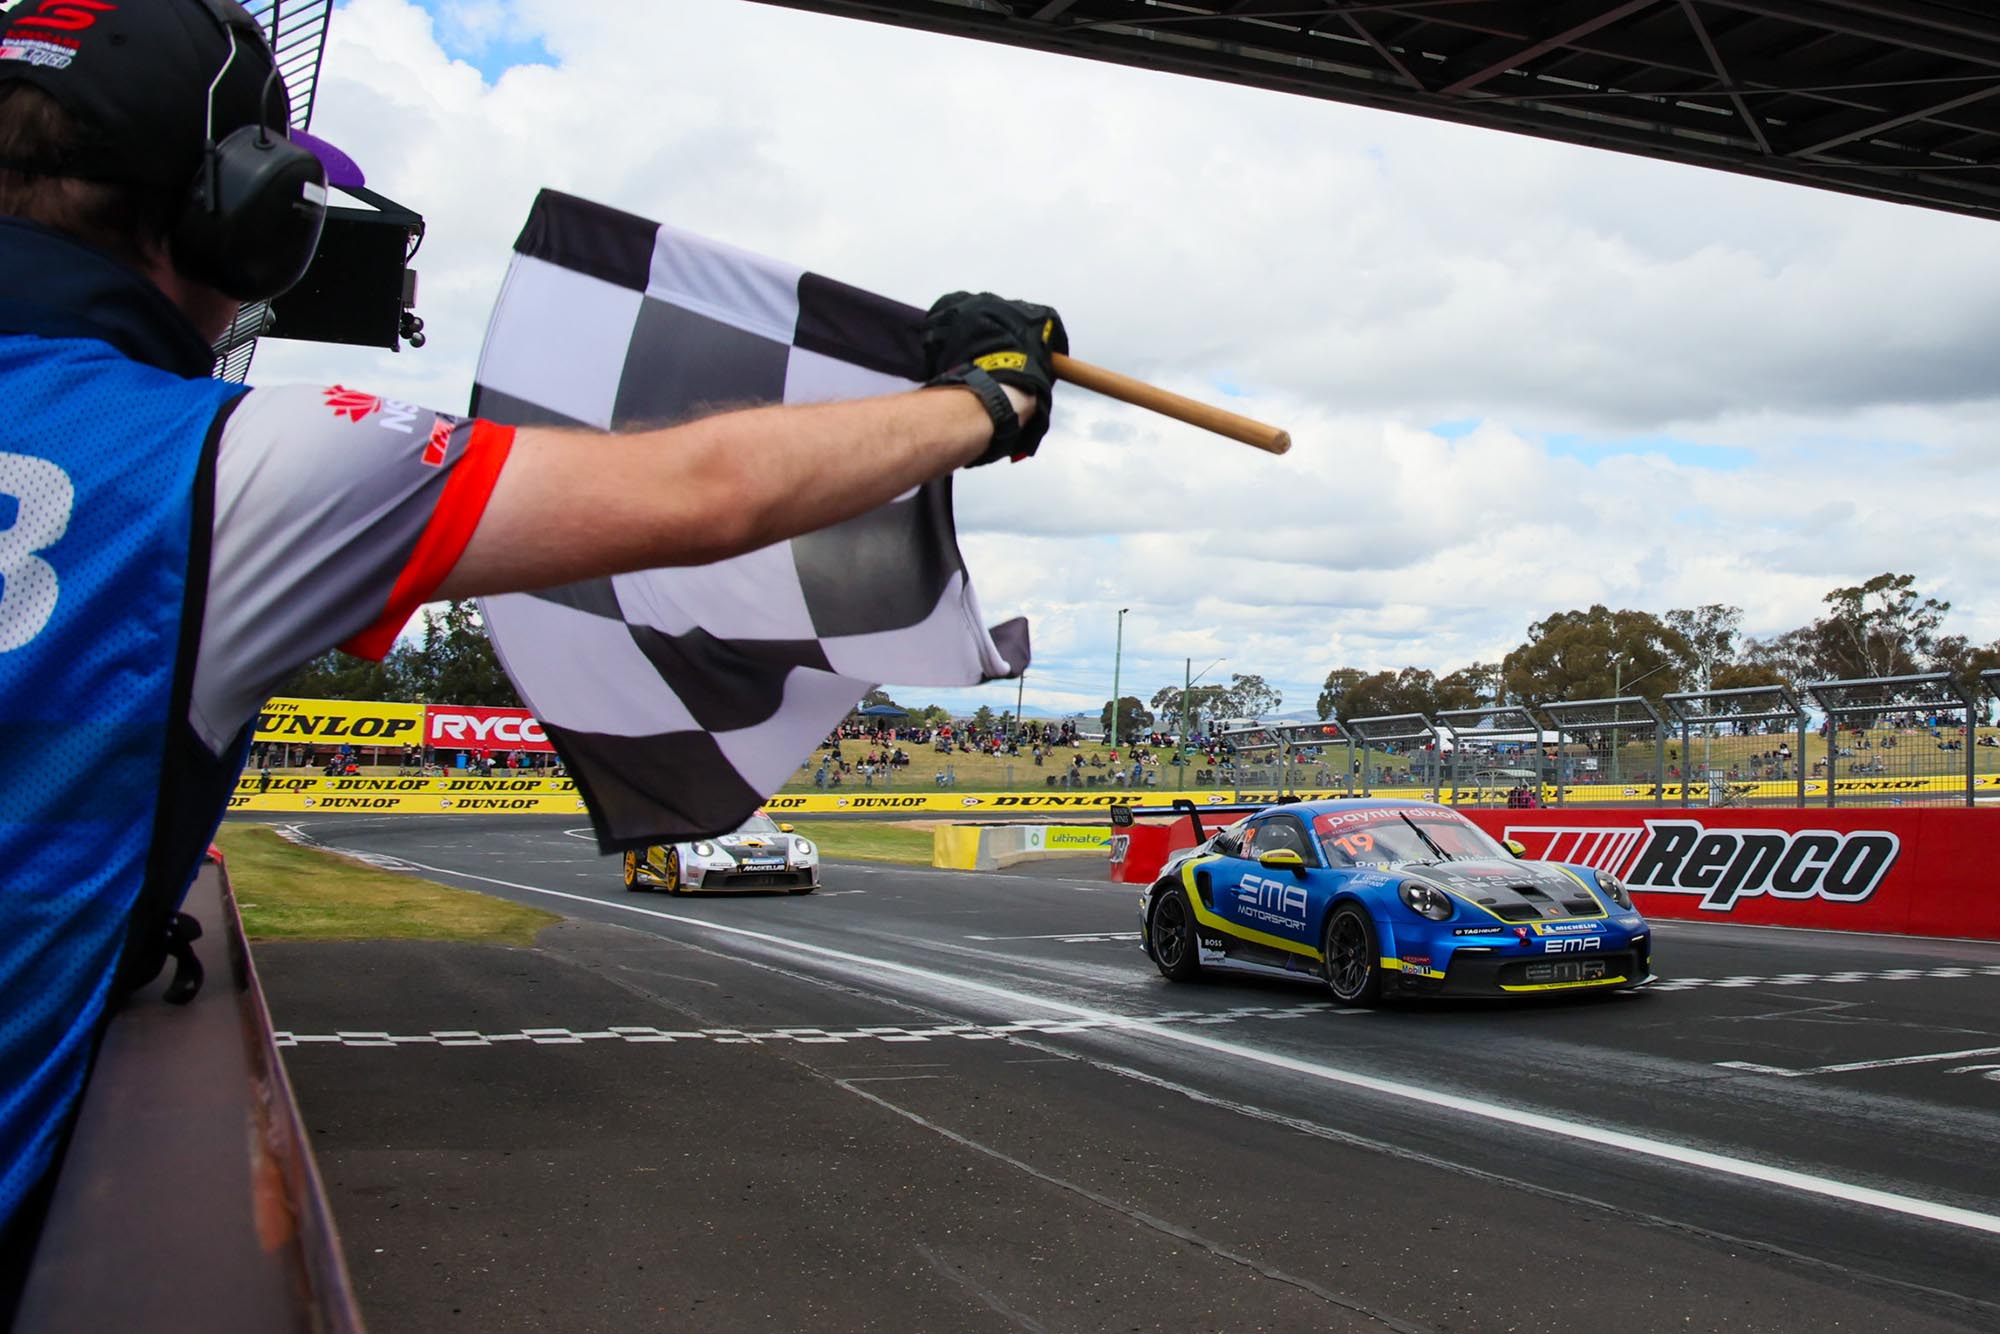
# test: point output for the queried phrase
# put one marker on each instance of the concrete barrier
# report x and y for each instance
(995, 847)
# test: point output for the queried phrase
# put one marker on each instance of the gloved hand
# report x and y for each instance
(983, 341)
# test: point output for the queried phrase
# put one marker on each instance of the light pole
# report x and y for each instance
(1617, 689)
(1117, 662)
(1187, 730)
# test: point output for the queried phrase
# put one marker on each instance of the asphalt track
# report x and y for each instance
(949, 1100)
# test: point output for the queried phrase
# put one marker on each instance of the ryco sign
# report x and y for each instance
(464, 727)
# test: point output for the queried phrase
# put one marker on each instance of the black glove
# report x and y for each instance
(983, 341)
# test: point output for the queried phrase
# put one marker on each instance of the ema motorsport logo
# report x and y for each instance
(1724, 865)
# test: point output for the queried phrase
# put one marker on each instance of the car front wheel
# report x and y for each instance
(631, 870)
(1353, 972)
(1171, 932)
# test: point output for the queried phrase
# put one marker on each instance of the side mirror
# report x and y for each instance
(1518, 848)
(784, 829)
(1282, 859)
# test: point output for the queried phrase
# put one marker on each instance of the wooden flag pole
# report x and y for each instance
(1169, 404)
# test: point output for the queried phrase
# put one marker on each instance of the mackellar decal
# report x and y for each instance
(1724, 865)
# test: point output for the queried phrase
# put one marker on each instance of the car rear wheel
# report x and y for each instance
(1353, 971)
(1171, 932)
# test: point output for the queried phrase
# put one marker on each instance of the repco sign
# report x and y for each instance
(462, 727)
(1724, 864)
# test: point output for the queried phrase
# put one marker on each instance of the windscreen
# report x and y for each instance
(759, 824)
(1387, 836)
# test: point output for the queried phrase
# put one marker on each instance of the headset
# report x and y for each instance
(253, 214)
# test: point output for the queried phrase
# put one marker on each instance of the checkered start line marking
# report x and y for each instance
(564, 1037)
(1813, 979)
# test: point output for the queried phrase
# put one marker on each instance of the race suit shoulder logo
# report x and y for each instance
(438, 447)
(1725, 865)
(358, 407)
(351, 403)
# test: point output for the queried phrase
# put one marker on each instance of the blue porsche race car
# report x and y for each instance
(1384, 897)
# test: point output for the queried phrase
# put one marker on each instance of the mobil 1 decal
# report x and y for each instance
(1726, 865)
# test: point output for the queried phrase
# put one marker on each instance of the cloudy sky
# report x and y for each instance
(1521, 377)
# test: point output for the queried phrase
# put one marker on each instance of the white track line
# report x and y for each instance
(1786, 1073)
(1624, 1141)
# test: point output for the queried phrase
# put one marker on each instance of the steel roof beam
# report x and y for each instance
(1722, 72)
(1837, 130)
(1979, 43)
(1563, 27)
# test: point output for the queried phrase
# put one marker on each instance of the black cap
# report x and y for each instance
(136, 76)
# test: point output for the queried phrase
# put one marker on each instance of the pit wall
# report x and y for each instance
(1923, 872)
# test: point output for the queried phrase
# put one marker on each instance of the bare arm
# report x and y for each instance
(573, 505)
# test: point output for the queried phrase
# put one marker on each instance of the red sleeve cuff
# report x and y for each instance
(444, 538)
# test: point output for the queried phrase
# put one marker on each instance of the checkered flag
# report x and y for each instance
(680, 698)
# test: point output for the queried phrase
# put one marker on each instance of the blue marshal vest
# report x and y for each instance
(105, 504)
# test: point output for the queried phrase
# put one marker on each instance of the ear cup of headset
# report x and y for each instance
(252, 220)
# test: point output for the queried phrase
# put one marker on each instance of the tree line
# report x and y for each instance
(1883, 627)
(451, 662)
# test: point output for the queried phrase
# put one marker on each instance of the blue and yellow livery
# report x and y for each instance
(1384, 897)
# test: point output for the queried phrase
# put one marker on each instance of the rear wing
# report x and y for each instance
(1122, 815)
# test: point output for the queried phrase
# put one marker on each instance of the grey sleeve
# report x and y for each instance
(337, 513)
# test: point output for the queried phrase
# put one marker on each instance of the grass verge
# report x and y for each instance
(287, 892)
(862, 841)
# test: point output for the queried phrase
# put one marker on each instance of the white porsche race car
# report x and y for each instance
(760, 854)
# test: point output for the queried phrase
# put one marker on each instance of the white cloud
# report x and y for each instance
(1361, 278)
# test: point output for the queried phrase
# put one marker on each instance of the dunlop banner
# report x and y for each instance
(407, 803)
(333, 721)
(251, 784)
(1093, 804)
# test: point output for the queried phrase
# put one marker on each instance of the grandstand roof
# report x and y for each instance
(1891, 99)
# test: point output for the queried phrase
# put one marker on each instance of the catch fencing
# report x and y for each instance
(1916, 740)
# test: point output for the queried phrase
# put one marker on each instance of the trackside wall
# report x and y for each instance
(1919, 872)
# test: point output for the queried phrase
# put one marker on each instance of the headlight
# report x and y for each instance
(704, 849)
(802, 847)
(1425, 900)
(1615, 887)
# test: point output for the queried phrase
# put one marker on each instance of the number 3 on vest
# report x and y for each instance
(43, 498)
